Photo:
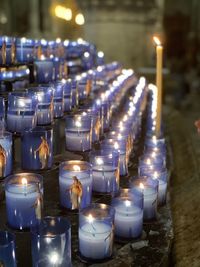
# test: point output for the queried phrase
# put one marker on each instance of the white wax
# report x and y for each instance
(96, 240)
(104, 178)
(150, 202)
(128, 221)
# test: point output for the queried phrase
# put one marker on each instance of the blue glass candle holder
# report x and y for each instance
(113, 145)
(7, 50)
(162, 178)
(78, 133)
(75, 183)
(67, 95)
(6, 143)
(58, 100)
(51, 243)
(95, 122)
(37, 148)
(21, 112)
(82, 86)
(128, 214)
(57, 68)
(2, 51)
(148, 161)
(153, 142)
(149, 188)
(43, 70)
(7, 249)
(104, 113)
(24, 200)
(44, 95)
(10, 50)
(105, 171)
(96, 232)
(2, 113)
(24, 50)
(75, 95)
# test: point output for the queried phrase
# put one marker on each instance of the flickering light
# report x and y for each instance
(90, 218)
(63, 12)
(76, 168)
(79, 19)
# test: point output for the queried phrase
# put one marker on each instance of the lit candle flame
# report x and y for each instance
(90, 218)
(78, 124)
(119, 136)
(99, 161)
(156, 40)
(155, 175)
(116, 145)
(148, 161)
(141, 186)
(53, 258)
(125, 118)
(24, 181)
(76, 168)
(127, 203)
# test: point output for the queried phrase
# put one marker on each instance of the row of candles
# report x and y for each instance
(81, 130)
(23, 50)
(97, 222)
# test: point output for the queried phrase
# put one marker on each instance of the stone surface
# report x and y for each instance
(185, 182)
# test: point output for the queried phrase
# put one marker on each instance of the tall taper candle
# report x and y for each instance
(159, 66)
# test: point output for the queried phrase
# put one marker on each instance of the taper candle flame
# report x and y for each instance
(157, 41)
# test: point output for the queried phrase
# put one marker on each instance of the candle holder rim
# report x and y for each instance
(5, 133)
(23, 174)
(110, 210)
(145, 180)
(76, 162)
(38, 129)
(37, 230)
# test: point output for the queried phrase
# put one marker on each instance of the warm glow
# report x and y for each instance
(156, 40)
(76, 168)
(63, 12)
(100, 54)
(58, 40)
(90, 218)
(119, 136)
(127, 203)
(78, 124)
(54, 257)
(24, 181)
(79, 19)
(99, 161)
(86, 55)
(21, 103)
(141, 186)
(155, 175)
(42, 57)
(116, 145)
(148, 161)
